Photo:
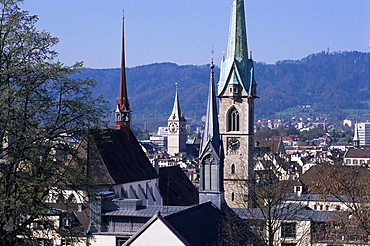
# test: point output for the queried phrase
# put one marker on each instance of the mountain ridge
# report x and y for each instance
(331, 83)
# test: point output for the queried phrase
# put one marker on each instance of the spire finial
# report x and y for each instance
(123, 14)
(176, 86)
(212, 64)
(250, 57)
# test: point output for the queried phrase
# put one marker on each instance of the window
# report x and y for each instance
(233, 120)
(348, 162)
(120, 241)
(298, 189)
(65, 223)
(232, 169)
(362, 162)
(288, 229)
(355, 162)
(232, 196)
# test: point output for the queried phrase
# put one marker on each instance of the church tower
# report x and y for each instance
(176, 140)
(211, 154)
(356, 138)
(237, 92)
(122, 112)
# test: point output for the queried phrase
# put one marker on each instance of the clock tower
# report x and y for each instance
(237, 92)
(176, 141)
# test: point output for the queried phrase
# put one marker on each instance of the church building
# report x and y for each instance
(237, 92)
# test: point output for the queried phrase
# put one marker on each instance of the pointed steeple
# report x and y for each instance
(211, 136)
(237, 68)
(123, 107)
(237, 43)
(176, 139)
(176, 111)
(280, 148)
(211, 154)
(356, 138)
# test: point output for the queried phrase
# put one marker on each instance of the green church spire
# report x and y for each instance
(237, 67)
(237, 43)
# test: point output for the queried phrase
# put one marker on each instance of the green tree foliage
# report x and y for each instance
(140, 134)
(43, 112)
(312, 133)
(350, 186)
(266, 133)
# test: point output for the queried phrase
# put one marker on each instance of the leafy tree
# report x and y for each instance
(312, 133)
(43, 113)
(140, 133)
(265, 208)
(349, 185)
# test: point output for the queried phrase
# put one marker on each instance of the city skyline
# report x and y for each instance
(184, 32)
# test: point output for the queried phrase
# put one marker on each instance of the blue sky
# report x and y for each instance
(184, 31)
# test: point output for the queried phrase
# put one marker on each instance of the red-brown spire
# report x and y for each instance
(122, 106)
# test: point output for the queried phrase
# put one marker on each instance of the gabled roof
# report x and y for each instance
(357, 153)
(198, 225)
(115, 159)
(176, 188)
(194, 226)
(315, 178)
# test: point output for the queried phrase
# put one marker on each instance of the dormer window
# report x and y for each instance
(298, 190)
(234, 90)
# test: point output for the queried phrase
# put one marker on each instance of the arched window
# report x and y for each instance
(232, 168)
(233, 120)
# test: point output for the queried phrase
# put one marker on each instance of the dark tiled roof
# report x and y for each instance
(176, 188)
(203, 224)
(81, 216)
(295, 213)
(357, 153)
(316, 177)
(148, 211)
(197, 225)
(113, 159)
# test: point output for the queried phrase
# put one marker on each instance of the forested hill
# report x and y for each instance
(332, 84)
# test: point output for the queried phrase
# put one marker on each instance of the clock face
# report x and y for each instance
(173, 127)
(182, 127)
(233, 143)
